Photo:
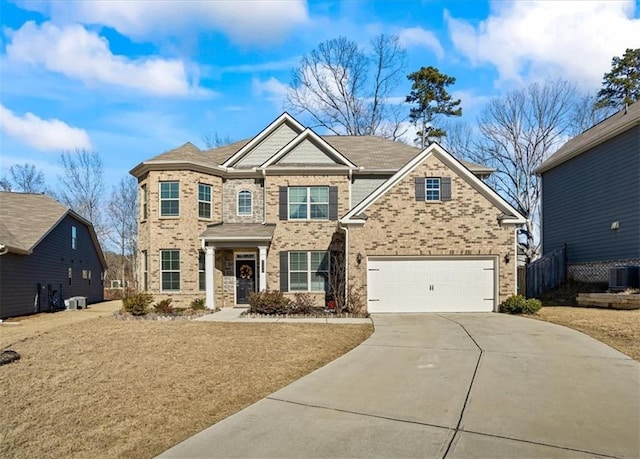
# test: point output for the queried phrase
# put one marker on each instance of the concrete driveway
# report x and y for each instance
(447, 385)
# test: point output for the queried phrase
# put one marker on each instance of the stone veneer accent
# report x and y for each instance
(397, 224)
(230, 190)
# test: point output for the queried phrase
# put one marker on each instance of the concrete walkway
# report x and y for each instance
(447, 385)
(235, 315)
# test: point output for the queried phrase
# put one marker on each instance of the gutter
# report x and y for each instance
(3, 249)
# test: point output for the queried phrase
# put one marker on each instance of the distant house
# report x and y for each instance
(47, 253)
(591, 197)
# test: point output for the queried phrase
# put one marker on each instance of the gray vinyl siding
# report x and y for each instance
(268, 147)
(306, 153)
(364, 185)
(584, 196)
(49, 264)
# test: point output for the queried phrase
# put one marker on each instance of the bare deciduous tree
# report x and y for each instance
(25, 178)
(123, 223)
(215, 140)
(82, 187)
(347, 90)
(517, 132)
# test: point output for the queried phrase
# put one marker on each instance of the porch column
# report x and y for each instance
(210, 276)
(262, 262)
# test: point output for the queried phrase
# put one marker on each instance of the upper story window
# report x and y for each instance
(245, 202)
(309, 203)
(74, 237)
(143, 199)
(169, 199)
(204, 201)
(432, 189)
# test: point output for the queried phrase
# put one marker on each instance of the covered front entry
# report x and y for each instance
(422, 284)
(235, 254)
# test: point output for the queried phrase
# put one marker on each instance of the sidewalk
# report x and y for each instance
(233, 315)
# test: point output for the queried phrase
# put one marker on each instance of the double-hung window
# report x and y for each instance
(432, 189)
(169, 199)
(308, 271)
(170, 270)
(143, 192)
(204, 201)
(201, 272)
(309, 203)
(244, 202)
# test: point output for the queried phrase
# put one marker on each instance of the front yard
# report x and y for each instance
(617, 328)
(110, 388)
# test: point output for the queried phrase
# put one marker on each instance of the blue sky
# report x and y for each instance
(133, 79)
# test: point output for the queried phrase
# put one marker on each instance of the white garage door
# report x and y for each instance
(430, 285)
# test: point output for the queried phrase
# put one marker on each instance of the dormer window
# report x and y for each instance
(245, 203)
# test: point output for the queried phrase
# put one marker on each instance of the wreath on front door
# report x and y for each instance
(246, 272)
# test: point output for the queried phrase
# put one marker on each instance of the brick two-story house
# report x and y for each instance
(419, 230)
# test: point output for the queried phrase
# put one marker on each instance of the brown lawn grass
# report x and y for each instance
(109, 388)
(619, 329)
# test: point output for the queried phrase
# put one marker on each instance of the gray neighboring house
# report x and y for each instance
(591, 197)
(47, 252)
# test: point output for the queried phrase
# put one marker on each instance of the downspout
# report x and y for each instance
(346, 265)
(3, 249)
(264, 196)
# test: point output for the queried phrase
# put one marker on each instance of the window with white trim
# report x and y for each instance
(74, 237)
(143, 198)
(202, 280)
(169, 199)
(204, 201)
(432, 189)
(309, 203)
(245, 204)
(170, 270)
(145, 270)
(308, 271)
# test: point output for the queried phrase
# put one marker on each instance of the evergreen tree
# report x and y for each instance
(429, 93)
(622, 84)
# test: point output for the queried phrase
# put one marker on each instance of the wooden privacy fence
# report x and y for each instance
(546, 273)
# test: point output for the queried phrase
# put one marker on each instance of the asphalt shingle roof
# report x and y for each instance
(240, 231)
(616, 124)
(26, 217)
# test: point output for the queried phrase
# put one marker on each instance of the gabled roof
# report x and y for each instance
(285, 118)
(613, 126)
(510, 215)
(27, 218)
(308, 134)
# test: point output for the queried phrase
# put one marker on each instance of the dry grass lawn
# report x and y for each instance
(619, 329)
(109, 388)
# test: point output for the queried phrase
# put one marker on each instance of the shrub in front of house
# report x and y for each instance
(137, 304)
(198, 304)
(303, 303)
(271, 302)
(517, 304)
(163, 307)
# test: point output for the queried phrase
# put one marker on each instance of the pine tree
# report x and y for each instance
(622, 84)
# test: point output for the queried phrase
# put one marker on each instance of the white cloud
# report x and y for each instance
(540, 39)
(80, 54)
(245, 22)
(417, 36)
(51, 134)
(273, 89)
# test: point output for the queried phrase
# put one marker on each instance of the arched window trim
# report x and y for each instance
(238, 206)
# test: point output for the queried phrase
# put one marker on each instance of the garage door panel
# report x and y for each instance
(430, 285)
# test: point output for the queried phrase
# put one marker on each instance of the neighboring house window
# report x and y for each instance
(309, 203)
(74, 237)
(89, 277)
(169, 199)
(308, 271)
(201, 274)
(204, 200)
(145, 270)
(432, 189)
(170, 269)
(245, 202)
(144, 202)
(70, 274)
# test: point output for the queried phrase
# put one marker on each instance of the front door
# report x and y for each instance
(245, 279)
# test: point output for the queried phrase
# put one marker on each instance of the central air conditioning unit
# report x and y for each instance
(71, 303)
(82, 302)
(624, 277)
